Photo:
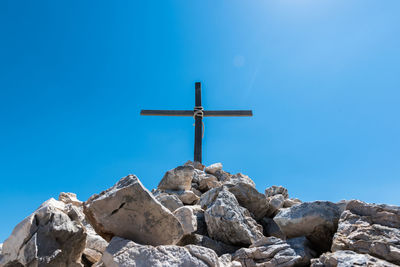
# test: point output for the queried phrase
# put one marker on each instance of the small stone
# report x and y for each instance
(209, 182)
(179, 178)
(289, 202)
(195, 164)
(213, 168)
(187, 218)
(275, 203)
(222, 176)
(276, 190)
(241, 178)
(70, 198)
(171, 202)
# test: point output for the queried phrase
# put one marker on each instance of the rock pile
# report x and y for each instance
(203, 216)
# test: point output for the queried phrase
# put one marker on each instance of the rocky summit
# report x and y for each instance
(203, 216)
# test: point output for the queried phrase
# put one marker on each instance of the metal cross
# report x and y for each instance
(198, 113)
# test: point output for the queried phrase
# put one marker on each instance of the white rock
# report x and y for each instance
(209, 182)
(130, 211)
(275, 203)
(70, 198)
(124, 253)
(241, 178)
(213, 168)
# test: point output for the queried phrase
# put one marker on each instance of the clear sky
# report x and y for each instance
(322, 77)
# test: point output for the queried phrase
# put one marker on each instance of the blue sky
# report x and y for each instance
(322, 78)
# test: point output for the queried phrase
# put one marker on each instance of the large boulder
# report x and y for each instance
(316, 220)
(200, 240)
(179, 178)
(130, 211)
(274, 252)
(51, 236)
(124, 253)
(250, 198)
(370, 229)
(228, 222)
(347, 258)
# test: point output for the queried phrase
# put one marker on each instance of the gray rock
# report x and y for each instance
(370, 229)
(70, 198)
(315, 220)
(270, 251)
(47, 237)
(187, 197)
(276, 190)
(130, 211)
(198, 176)
(204, 241)
(126, 253)
(250, 198)
(179, 178)
(228, 222)
(347, 258)
(213, 168)
(171, 202)
(275, 203)
(187, 218)
(209, 197)
(271, 228)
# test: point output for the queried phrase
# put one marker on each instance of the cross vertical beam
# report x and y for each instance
(198, 132)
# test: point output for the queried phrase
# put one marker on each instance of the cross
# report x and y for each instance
(198, 113)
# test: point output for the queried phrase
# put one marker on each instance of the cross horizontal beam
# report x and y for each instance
(190, 113)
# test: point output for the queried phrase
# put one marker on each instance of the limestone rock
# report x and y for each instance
(270, 251)
(370, 228)
(171, 202)
(209, 197)
(316, 220)
(250, 198)
(228, 222)
(130, 211)
(276, 190)
(271, 228)
(347, 258)
(47, 237)
(275, 203)
(122, 252)
(187, 218)
(204, 241)
(213, 168)
(187, 197)
(179, 178)
(302, 247)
